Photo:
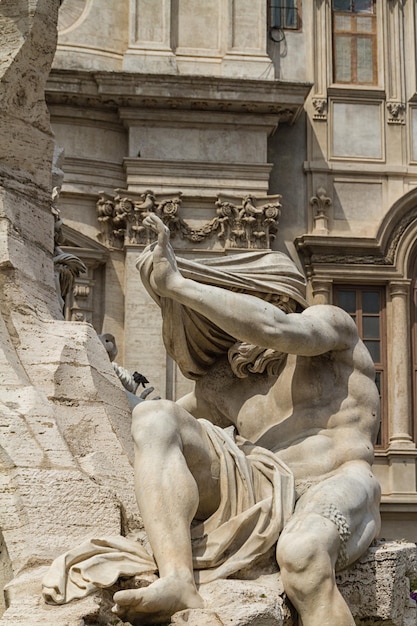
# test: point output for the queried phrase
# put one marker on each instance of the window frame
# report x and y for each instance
(282, 6)
(354, 34)
(381, 370)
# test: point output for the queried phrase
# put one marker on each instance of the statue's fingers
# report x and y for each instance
(145, 393)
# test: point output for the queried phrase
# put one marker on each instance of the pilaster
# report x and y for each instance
(399, 407)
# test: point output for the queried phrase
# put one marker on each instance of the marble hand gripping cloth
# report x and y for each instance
(192, 340)
(257, 498)
(257, 489)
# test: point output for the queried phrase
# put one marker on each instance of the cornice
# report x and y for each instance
(114, 90)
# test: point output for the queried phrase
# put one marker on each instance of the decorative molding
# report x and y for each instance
(114, 90)
(320, 109)
(399, 288)
(396, 112)
(321, 204)
(247, 222)
(318, 250)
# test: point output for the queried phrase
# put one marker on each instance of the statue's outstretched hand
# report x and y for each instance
(166, 276)
(147, 392)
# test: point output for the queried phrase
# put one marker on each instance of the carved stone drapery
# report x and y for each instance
(249, 222)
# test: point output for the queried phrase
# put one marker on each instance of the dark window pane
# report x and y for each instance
(371, 327)
(370, 302)
(374, 349)
(290, 15)
(342, 5)
(276, 17)
(347, 301)
(363, 6)
(378, 381)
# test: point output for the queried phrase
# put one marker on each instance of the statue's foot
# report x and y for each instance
(158, 602)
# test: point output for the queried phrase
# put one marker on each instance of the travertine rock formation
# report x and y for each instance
(56, 382)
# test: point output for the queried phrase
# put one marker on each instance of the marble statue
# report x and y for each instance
(272, 451)
(130, 382)
(67, 267)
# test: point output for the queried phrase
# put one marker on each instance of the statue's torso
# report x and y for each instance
(316, 414)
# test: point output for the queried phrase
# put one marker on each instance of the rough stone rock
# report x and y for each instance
(27, 607)
(377, 588)
(247, 602)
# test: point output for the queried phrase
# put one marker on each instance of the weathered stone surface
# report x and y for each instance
(28, 45)
(64, 469)
(28, 609)
(377, 588)
(246, 603)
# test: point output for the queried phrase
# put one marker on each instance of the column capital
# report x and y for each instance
(400, 287)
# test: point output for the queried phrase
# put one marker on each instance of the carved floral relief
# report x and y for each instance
(247, 222)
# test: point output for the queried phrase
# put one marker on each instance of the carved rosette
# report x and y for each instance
(248, 222)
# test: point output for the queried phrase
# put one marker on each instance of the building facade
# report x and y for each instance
(249, 124)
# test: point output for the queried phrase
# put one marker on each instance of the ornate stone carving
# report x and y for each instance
(320, 109)
(205, 306)
(67, 267)
(321, 203)
(396, 112)
(249, 222)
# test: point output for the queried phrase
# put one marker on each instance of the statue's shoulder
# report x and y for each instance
(330, 313)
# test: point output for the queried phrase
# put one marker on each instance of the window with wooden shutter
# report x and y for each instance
(354, 42)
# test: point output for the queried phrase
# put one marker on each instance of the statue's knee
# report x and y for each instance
(295, 553)
(153, 419)
(306, 554)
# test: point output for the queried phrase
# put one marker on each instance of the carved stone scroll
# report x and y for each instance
(247, 222)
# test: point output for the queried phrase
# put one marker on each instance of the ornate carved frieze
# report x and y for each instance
(396, 112)
(248, 222)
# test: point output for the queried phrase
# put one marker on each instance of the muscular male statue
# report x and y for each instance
(316, 410)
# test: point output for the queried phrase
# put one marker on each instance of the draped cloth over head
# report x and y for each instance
(192, 340)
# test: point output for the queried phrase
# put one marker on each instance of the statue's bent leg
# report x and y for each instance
(333, 524)
(176, 480)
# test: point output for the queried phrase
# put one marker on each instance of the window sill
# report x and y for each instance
(357, 91)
